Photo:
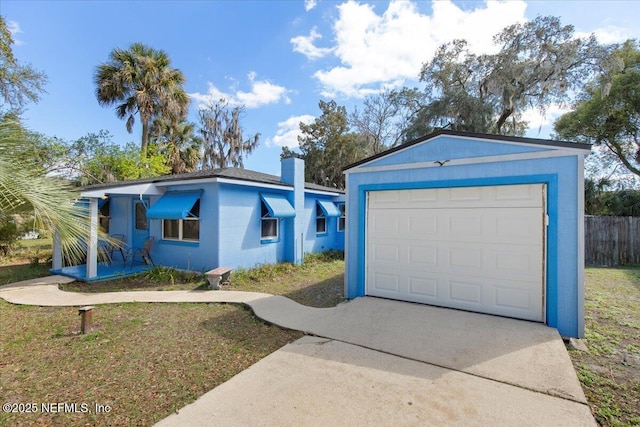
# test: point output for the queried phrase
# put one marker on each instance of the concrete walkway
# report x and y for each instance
(417, 364)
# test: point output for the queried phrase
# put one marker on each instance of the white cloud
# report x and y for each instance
(375, 50)
(288, 131)
(609, 34)
(305, 46)
(537, 120)
(262, 92)
(14, 28)
(309, 4)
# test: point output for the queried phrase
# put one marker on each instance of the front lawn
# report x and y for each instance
(610, 370)
(144, 361)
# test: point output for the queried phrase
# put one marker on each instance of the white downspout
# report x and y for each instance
(92, 241)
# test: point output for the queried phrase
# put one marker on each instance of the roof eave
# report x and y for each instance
(504, 138)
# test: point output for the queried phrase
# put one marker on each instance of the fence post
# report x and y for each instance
(85, 319)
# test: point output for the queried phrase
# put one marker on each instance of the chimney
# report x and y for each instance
(292, 173)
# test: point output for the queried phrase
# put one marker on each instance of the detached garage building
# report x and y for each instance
(484, 223)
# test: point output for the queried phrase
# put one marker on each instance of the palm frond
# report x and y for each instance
(23, 188)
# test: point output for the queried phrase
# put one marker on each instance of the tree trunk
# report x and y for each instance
(145, 139)
(502, 119)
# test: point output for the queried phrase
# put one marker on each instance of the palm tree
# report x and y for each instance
(178, 143)
(25, 189)
(140, 80)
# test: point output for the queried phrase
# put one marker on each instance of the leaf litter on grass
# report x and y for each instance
(144, 361)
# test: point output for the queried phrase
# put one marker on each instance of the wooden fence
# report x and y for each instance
(611, 240)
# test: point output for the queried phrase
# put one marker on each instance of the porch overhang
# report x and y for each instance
(148, 189)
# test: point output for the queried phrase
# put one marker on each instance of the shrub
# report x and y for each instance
(8, 234)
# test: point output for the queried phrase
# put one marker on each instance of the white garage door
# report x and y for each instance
(473, 248)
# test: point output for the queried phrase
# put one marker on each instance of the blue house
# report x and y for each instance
(483, 223)
(217, 217)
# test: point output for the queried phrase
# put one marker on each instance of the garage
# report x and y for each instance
(473, 248)
(485, 223)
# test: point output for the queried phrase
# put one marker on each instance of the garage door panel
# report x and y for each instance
(423, 287)
(509, 196)
(422, 224)
(386, 253)
(524, 226)
(515, 263)
(453, 225)
(420, 196)
(512, 298)
(497, 261)
(385, 223)
(422, 256)
(465, 194)
(464, 293)
(464, 259)
(386, 282)
(478, 249)
(522, 194)
(462, 226)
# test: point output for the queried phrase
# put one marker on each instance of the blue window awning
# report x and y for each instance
(174, 205)
(278, 206)
(329, 208)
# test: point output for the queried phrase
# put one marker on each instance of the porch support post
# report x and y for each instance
(92, 241)
(56, 259)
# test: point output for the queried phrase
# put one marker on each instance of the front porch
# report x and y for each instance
(106, 271)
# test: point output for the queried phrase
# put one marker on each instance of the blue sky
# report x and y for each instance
(278, 58)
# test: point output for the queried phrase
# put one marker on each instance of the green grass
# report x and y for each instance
(610, 371)
(145, 361)
(29, 259)
(318, 282)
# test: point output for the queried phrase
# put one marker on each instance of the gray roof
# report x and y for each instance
(230, 173)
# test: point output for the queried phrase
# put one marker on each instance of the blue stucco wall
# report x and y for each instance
(120, 213)
(315, 242)
(449, 148)
(230, 225)
(240, 222)
(194, 256)
(559, 173)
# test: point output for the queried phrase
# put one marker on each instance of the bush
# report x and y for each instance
(8, 234)
(173, 276)
(327, 256)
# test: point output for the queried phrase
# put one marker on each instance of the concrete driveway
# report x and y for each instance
(381, 362)
(374, 362)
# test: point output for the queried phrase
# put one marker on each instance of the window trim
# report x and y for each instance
(180, 237)
(342, 207)
(320, 216)
(266, 216)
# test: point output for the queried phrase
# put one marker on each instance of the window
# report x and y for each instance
(141, 216)
(321, 221)
(103, 215)
(269, 225)
(343, 216)
(187, 229)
